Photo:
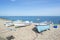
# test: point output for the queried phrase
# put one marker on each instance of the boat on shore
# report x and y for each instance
(25, 23)
(17, 23)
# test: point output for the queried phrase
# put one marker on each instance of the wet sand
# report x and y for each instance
(27, 33)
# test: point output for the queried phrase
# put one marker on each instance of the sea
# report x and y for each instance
(36, 19)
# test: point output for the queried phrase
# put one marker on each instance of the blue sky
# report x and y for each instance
(29, 7)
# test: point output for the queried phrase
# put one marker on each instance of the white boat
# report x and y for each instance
(46, 23)
(42, 23)
(19, 23)
(8, 24)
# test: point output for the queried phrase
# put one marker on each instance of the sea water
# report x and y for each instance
(54, 19)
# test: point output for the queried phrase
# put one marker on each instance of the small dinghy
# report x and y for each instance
(41, 28)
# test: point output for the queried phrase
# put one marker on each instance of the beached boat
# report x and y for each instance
(42, 23)
(8, 24)
(41, 28)
(46, 23)
(19, 23)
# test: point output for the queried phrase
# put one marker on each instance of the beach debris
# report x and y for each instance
(10, 37)
(55, 26)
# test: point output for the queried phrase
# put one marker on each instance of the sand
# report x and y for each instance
(26, 33)
(2, 38)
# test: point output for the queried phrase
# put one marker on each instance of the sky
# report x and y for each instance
(29, 7)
